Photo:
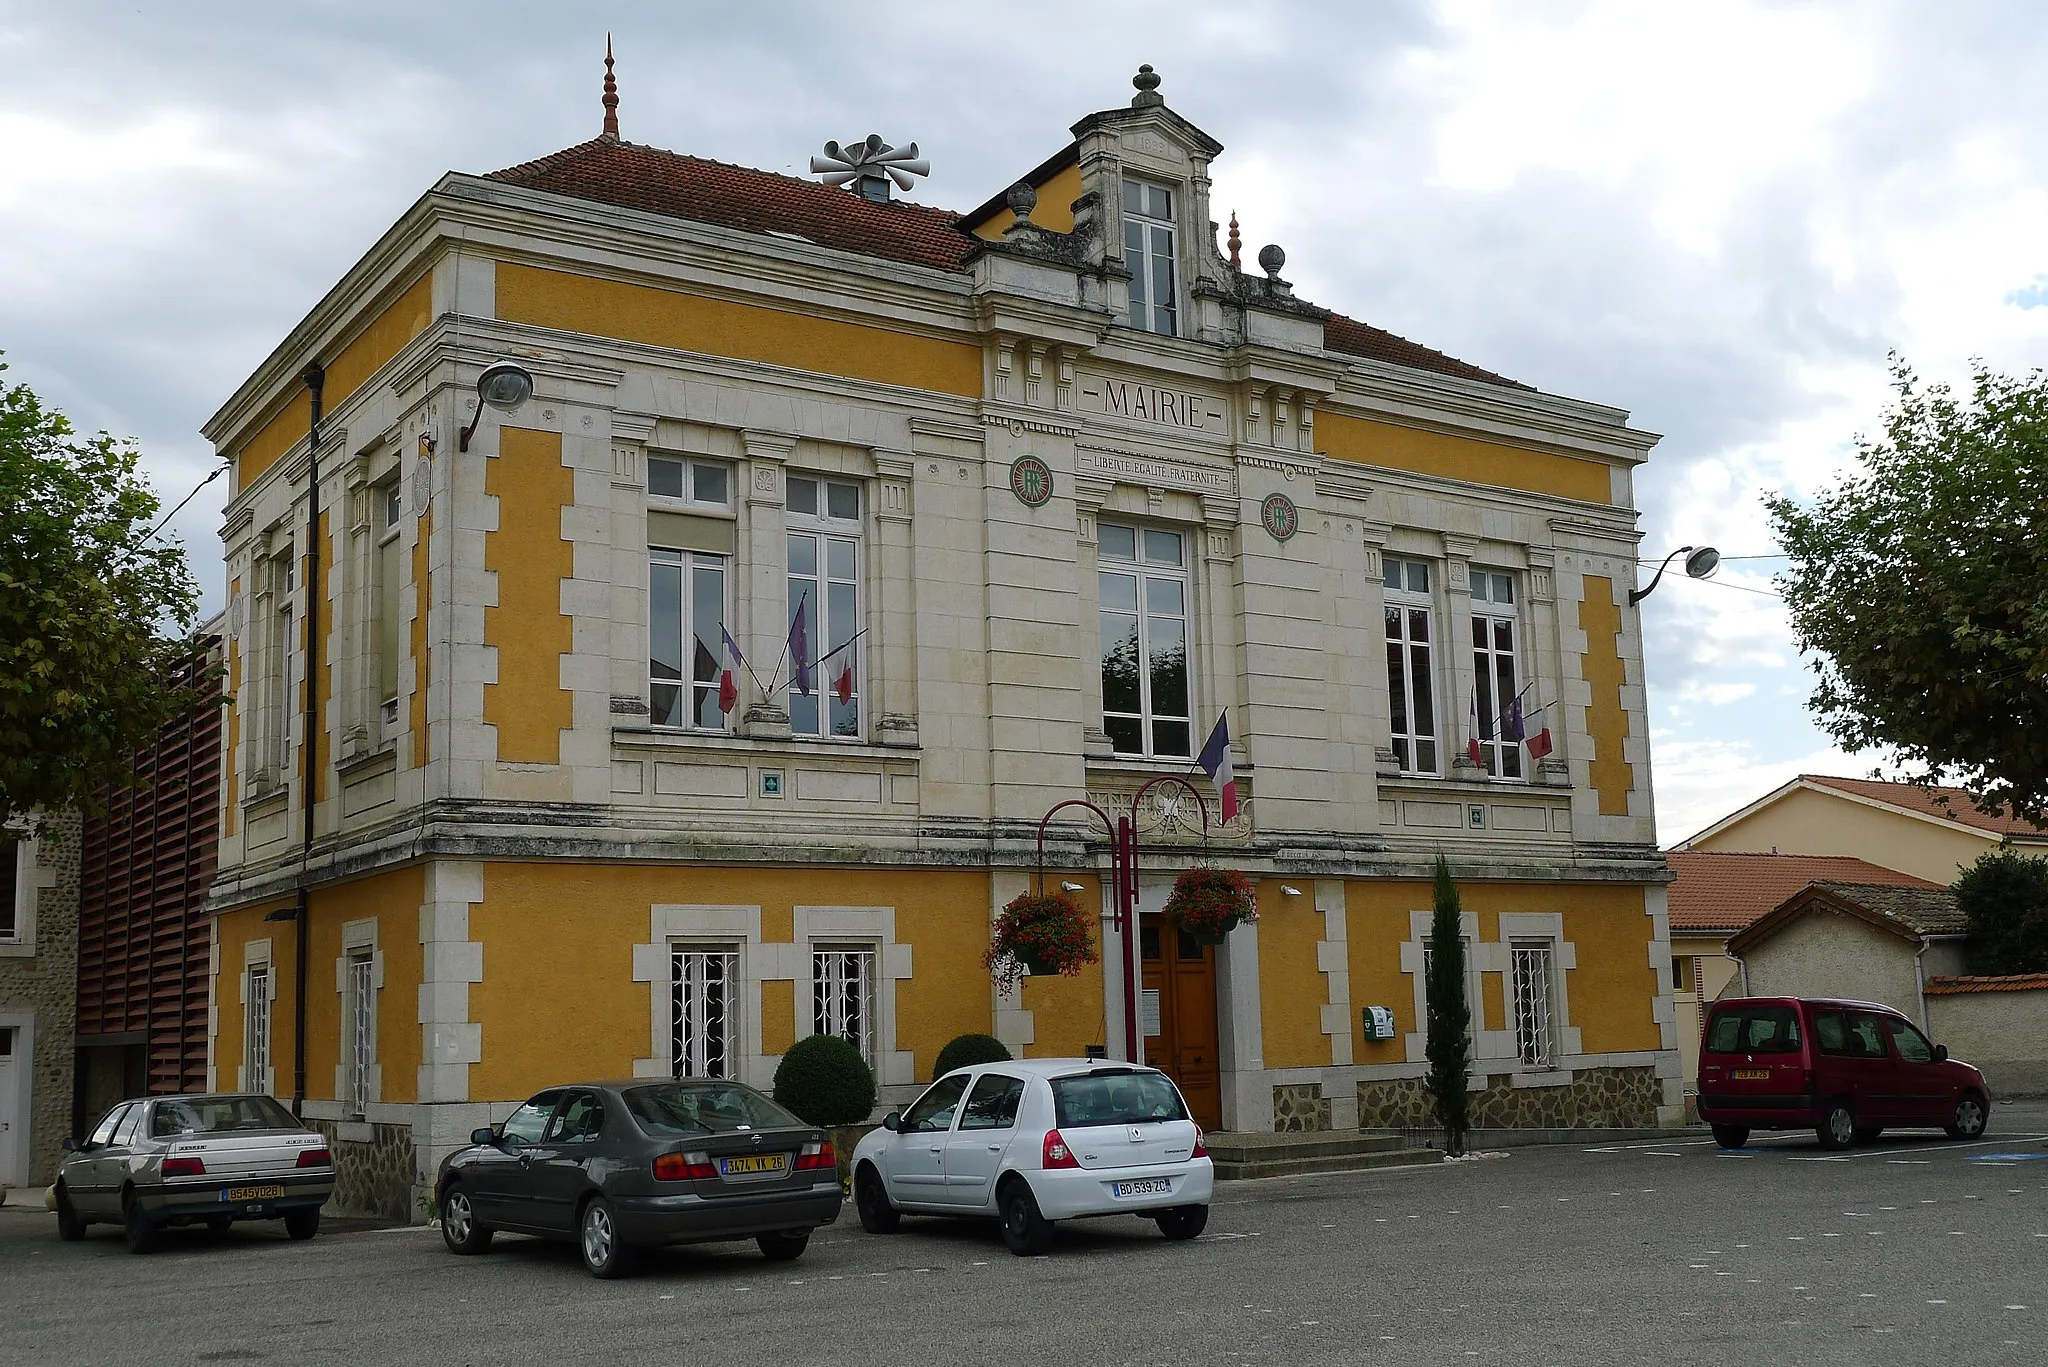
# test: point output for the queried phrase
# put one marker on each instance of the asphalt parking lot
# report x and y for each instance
(1912, 1250)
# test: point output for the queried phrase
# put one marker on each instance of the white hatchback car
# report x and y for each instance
(1036, 1141)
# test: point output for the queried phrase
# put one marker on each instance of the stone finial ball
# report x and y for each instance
(1147, 79)
(1021, 198)
(1271, 258)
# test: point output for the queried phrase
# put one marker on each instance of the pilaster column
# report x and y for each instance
(1454, 649)
(760, 611)
(892, 611)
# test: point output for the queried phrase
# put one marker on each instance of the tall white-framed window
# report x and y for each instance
(361, 971)
(843, 995)
(1496, 678)
(686, 614)
(390, 588)
(704, 993)
(14, 885)
(1531, 966)
(256, 1029)
(823, 517)
(1411, 675)
(1147, 705)
(1149, 256)
(283, 648)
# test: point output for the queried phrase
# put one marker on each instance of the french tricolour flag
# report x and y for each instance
(1215, 762)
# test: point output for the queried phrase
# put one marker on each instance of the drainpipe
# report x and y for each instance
(1741, 969)
(1920, 980)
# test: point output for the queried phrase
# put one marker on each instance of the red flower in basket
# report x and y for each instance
(1208, 902)
(1043, 933)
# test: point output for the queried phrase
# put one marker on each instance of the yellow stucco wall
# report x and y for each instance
(416, 706)
(235, 930)
(1807, 822)
(392, 900)
(558, 998)
(1393, 447)
(528, 705)
(1611, 994)
(717, 327)
(1292, 989)
(405, 318)
(1066, 1013)
(1606, 721)
(1054, 210)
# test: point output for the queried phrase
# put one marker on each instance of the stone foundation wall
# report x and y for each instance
(1595, 1098)
(373, 1177)
(1300, 1106)
(39, 979)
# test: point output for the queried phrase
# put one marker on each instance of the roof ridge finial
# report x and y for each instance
(611, 93)
(1147, 82)
(1234, 242)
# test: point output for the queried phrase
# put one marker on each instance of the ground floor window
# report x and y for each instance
(1530, 964)
(843, 995)
(704, 984)
(256, 1031)
(362, 1035)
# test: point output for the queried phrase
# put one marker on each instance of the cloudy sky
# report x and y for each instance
(1718, 217)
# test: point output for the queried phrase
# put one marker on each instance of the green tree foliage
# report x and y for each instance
(1448, 1046)
(1919, 585)
(2005, 896)
(964, 1051)
(87, 671)
(823, 1080)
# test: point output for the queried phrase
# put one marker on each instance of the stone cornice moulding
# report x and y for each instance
(1020, 420)
(1589, 530)
(632, 427)
(1412, 398)
(966, 430)
(1497, 496)
(1266, 458)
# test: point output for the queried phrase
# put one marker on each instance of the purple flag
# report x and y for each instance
(800, 649)
(1511, 723)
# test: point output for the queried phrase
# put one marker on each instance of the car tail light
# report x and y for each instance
(684, 1167)
(1055, 1153)
(1201, 1149)
(184, 1167)
(818, 1155)
(315, 1158)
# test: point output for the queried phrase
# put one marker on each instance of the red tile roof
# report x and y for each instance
(1950, 804)
(1354, 338)
(630, 176)
(2009, 982)
(1727, 891)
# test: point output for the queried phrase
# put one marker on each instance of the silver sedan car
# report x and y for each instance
(181, 1160)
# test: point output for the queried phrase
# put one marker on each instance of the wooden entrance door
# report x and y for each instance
(1183, 1042)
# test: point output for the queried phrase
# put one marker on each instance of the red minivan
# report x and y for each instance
(1849, 1069)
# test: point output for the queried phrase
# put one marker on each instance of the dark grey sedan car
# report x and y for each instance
(621, 1166)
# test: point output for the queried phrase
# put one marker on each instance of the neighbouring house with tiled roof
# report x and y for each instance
(1930, 832)
(706, 688)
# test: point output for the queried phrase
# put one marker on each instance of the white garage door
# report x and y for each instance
(13, 1117)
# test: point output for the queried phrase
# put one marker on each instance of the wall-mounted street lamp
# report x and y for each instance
(1289, 890)
(1700, 563)
(503, 385)
(1070, 887)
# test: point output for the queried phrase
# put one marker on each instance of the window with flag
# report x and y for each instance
(843, 995)
(1143, 612)
(1496, 684)
(1411, 677)
(687, 659)
(824, 654)
(703, 1000)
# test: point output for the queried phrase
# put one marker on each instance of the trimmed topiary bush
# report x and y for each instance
(964, 1051)
(824, 1081)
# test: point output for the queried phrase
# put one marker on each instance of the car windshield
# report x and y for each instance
(215, 1114)
(1754, 1030)
(704, 1108)
(1115, 1098)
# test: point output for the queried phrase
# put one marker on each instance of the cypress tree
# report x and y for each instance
(1449, 1047)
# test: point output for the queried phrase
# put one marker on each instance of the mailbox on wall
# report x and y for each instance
(1379, 1022)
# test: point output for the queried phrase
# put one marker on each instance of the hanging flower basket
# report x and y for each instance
(1208, 902)
(1041, 933)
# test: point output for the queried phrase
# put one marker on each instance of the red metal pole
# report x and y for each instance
(1127, 910)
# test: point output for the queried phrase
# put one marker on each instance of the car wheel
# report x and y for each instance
(1025, 1232)
(1837, 1128)
(70, 1228)
(460, 1229)
(1183, 1222)
(1731, 1136)
(1972, 1117)
(143, 1233)
(597, 1239)
(303, 1223)
(877, 1215)
(1869, 1134)
(784, 1247)
(220, 1224)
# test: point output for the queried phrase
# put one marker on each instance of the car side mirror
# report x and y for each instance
(485, 1135)
(71, 1145)
(1941, 1053)
(893, 1121)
